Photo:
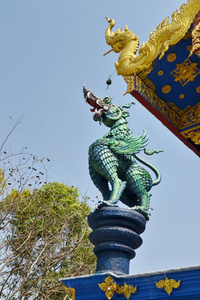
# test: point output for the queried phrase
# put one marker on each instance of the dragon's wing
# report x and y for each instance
(131, 146)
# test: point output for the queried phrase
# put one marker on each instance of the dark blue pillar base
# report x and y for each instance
(116, 234)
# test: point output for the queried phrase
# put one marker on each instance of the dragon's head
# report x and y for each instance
(104, 110)
(99, 106)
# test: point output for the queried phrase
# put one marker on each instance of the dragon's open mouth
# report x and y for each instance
(99, 106)
(93, 102)
(96, 103)
(97, 113)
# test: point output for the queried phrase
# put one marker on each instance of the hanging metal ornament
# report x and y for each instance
(109, 81)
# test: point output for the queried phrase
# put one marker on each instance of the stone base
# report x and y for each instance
(115, 237)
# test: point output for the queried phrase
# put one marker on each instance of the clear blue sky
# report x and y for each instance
(49, 49)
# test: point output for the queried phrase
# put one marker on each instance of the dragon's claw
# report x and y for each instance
(102, 203)
(142, 210)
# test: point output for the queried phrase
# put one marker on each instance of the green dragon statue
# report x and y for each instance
(113, 158)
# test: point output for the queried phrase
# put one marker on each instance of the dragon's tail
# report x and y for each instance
(156, 172)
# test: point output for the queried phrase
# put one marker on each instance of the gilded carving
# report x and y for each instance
(180, 118)
(160, 73)
(185, 72)
(194, 135)
(127, 290)
(190, 117)
(71, 292)
(198, 89)
(189, 48)
(176, 109)
(188, 35)
(130, 84)
(181, 96)
(171, 57)
(164, 108)
(109, 287)
(196, 37)
(168, 285)
(165, 35)
(166, 89)
(143, 76)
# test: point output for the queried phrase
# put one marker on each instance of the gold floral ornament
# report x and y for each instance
(109, 287)
(168, 285)
(127, 290)
(185, 72)
(71, 292)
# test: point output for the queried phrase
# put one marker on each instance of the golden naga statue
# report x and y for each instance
(165, 35)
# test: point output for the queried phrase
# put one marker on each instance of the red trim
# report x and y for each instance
(161, 118)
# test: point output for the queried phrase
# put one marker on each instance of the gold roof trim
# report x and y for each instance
(169, 110)
(166, 34)
(180, 118)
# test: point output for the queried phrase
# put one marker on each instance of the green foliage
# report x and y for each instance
(46, 239)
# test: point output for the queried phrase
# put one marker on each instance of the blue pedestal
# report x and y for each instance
(116, 234)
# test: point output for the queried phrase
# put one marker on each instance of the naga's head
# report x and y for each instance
(104, 110)
(118, 39)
